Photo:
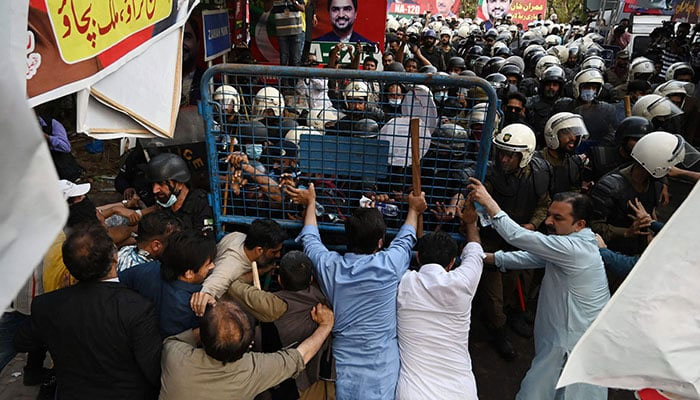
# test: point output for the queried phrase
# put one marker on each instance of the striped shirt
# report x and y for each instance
(130, 256)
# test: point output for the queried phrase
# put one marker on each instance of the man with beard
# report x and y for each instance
(235, 254)
(574, 288)
(431, 52)
(540, 106)
(521, 184)
(563, 133)
(494, 11)
(169, 176)
(342, 14)
(191, 72)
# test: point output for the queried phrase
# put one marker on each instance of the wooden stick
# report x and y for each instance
(229, 179)
(415, 161)
(256, 276)
(628, 106)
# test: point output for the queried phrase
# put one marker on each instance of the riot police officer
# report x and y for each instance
(563, 133)
(520, 184)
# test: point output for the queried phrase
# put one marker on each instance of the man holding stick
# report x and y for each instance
(574, 288)
(362, 287)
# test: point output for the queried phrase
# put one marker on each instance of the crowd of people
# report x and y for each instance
(138, 299)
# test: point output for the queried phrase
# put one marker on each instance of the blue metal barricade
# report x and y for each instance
(348, 132)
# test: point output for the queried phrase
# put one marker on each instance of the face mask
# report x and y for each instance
(588, 95)
(511, 117)
(440, 97)
(395, 102)
(254, 151)
(170, 202)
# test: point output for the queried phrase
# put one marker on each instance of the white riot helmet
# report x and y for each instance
(679, 68)
(590, 75)
(268, 98)
(294, 135)
(641, 66)
(544, 63)
(478, 115)
(655, 106)
(564, 122)
(356, 90)
(517, 138)
(463, 31)
(672, 87)
(561, 52)
(658, 151)
(318, 119)
(594, 62)
(446, 31)
(552, 40)
(227, 96)
(392, 25)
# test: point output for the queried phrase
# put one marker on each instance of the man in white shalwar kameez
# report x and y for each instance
(573, 292)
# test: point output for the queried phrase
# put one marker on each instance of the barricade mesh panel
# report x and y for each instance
(348, 132)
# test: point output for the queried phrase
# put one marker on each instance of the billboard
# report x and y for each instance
(686, 11)
(338, 21)
(521, 11)
(86, 40)
(446, 8)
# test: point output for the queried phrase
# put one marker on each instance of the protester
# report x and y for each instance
(435, 363)
(574, 288)
(103, 337)
(288, 311)
(151, 235)
(223, 368)
(170, 282)
(362, 286)
(235, 255)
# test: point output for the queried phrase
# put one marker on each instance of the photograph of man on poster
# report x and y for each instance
(495, 10)
(342, 15)
(444, 8)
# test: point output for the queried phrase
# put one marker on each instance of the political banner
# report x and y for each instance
(521, 11)
(72, 44)
(217, 33)
(686, 11)
(648, 7)
(345, 21)
(239, 34)
(446, 8)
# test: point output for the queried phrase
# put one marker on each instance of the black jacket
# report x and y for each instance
(103, 338)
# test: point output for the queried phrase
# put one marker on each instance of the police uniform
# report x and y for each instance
(567, 171)
(196, 213)
(611, 211)
(524, 195)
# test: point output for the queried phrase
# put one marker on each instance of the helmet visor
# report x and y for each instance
(689, 153)
(664, 107)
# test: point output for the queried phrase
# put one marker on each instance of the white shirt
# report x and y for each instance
(433, 315)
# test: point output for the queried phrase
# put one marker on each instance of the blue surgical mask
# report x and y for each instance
(170, 202)
(588, 95)
(395, 102)
(254, 151)
(441, 96)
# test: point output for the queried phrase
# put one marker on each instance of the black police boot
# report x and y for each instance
(503, 345)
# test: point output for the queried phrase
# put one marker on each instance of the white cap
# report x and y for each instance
(70, 189)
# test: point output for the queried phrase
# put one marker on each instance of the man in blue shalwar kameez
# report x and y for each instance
(362, 286)
(574, 289)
